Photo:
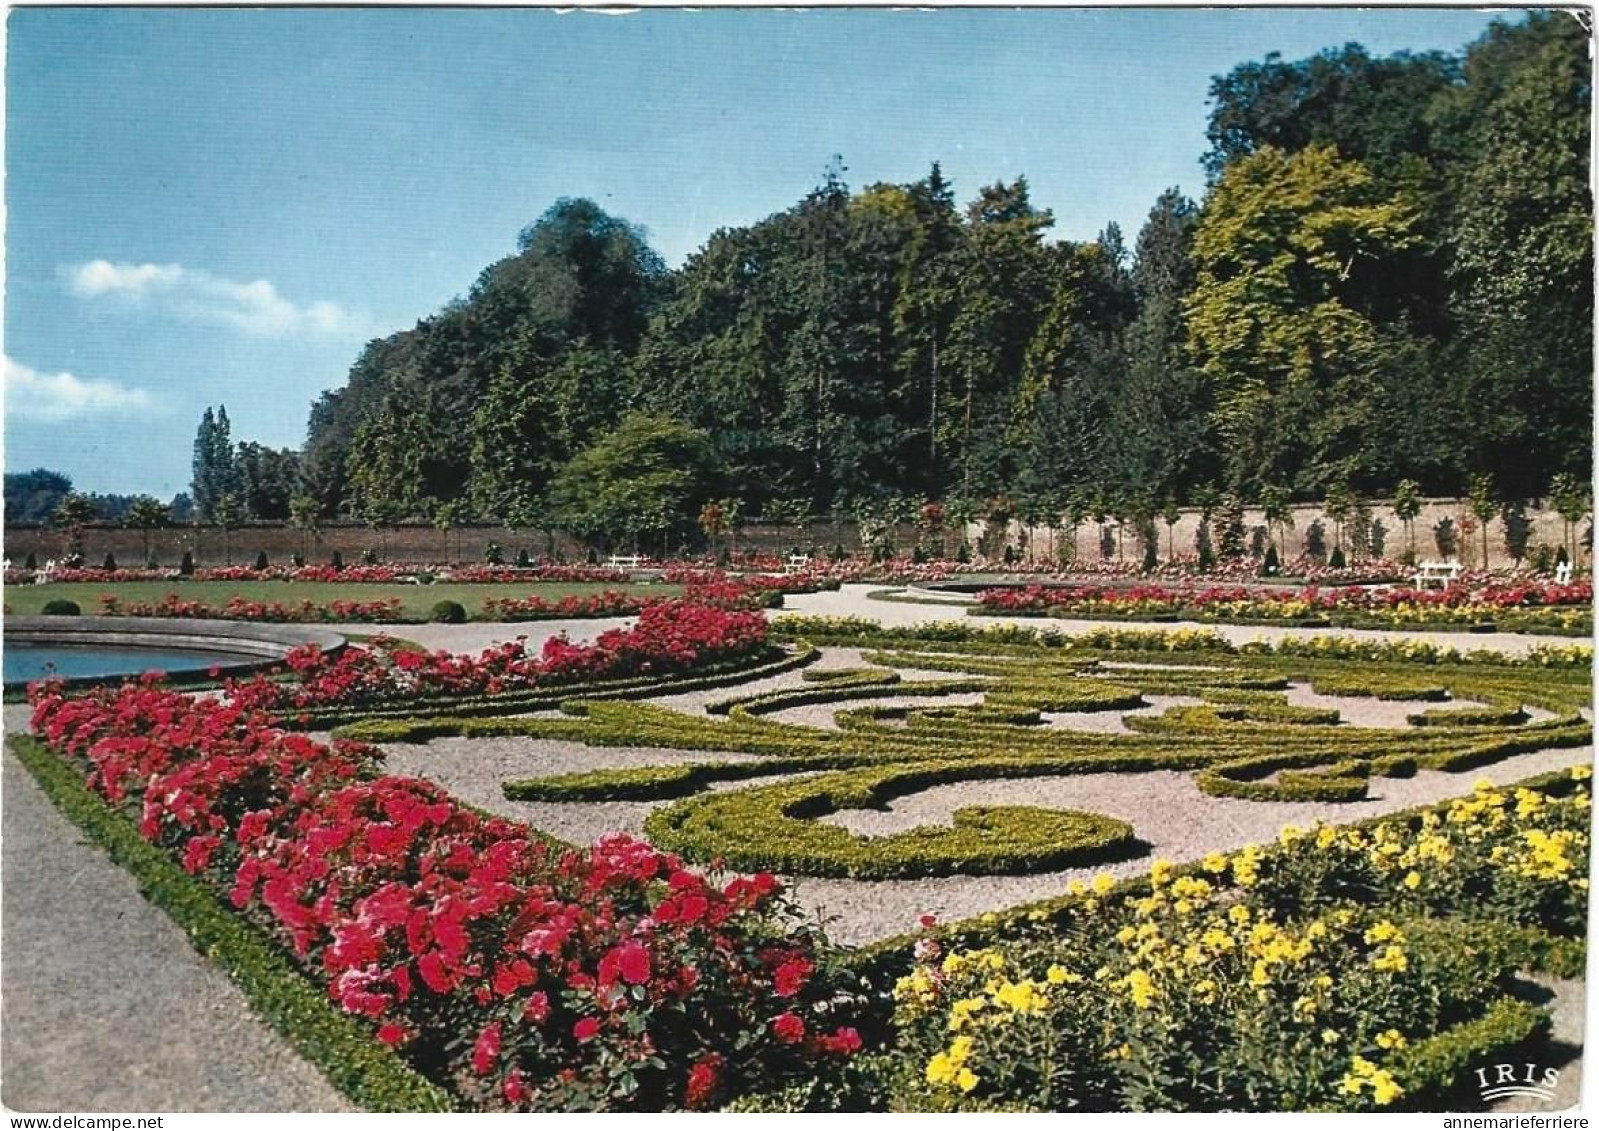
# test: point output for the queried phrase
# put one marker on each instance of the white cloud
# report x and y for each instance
(199, 296)
(31, 395)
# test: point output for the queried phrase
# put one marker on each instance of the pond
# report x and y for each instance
(24, 661)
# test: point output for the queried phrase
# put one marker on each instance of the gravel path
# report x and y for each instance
(474, 637)
(106, 1006)
(852, 601)
(1165, 808)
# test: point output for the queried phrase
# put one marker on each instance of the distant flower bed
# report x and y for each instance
(607, 604)
(1533, 605)
(514, 974)
(385, 611)
(670, 636)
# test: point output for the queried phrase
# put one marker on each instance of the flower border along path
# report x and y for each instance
(506, 971)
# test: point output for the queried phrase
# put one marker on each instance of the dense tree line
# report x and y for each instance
(1388, 278)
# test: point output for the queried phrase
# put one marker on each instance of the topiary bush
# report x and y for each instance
(109, 564)
(260, 561)
(61, 607)
(449, 612)
(186, 567)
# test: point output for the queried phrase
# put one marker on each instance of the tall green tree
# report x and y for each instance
(644, 480)
(1516, 134)
(1282, 247)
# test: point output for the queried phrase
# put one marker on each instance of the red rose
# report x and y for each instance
(702, 1081)
(845, 1041)
(487, 1049)
(789, 1029)
(515, 1090)
(586, 1029)
(791, 976)
(392, 1034)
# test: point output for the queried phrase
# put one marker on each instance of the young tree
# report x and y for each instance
(1483, 508)
(305, 516)
(146, 514)
(1172, 516)
(1407, 507)
(1572, 500)
(71, 515)
(1279, 514)
(227, 513)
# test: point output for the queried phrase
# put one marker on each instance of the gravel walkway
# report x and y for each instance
(852, 601)
(1165, 808)
(106, 1007)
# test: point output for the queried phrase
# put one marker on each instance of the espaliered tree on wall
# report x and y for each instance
(1387, 278)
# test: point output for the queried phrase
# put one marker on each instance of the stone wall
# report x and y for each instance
(421, 543)
(1547, 529)
(418, 543)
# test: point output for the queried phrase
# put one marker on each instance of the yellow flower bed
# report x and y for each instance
(1312, 974)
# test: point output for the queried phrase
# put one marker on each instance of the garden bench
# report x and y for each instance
(625, 561)
(1563, 573)
(797, 563)
(1444, 573)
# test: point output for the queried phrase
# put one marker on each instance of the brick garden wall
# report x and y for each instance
(421, 543)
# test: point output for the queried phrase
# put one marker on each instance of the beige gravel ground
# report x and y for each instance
(105, 1006)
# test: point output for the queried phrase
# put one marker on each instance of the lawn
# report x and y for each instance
(417, 601)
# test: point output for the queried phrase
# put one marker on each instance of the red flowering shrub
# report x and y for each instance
(669, 636)
(611, 603)
(237, 608)
(521, 975)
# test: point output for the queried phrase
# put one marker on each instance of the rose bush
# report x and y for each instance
(669, 636)
(519, 973)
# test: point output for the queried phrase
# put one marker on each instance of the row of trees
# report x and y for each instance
(1389, 277)
(233, 482)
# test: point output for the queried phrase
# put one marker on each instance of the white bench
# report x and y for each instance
(624, 561)
(797, 563)
(1444, 573)
(1563, 573)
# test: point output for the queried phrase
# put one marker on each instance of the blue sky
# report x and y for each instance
(222, 206)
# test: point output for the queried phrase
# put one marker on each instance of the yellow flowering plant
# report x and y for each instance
(1301, 975)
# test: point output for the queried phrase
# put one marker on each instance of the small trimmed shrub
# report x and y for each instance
(61, 607)
(522, 559)
(449, 612)
(493, 555)
(1272, 565)
(337, 561)
(369, 556)
(260, 561)
(1337, 561)
(31, 562)
(186, 567)
(109, 564)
